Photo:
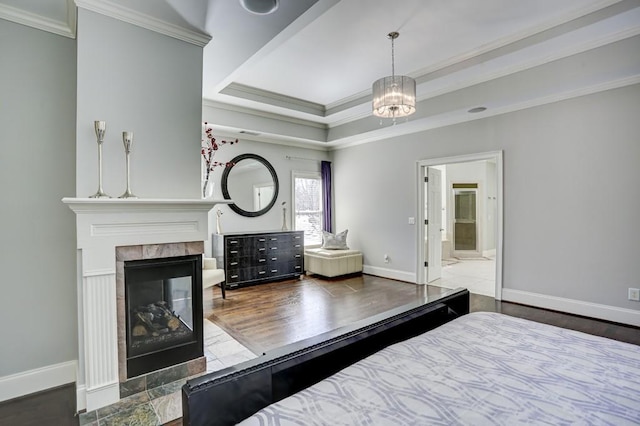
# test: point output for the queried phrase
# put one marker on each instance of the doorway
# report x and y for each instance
(466, 248)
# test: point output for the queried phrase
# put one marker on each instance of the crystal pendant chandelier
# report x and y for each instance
(394, 96)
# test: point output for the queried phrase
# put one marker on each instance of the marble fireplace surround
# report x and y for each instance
(154, 227)
(142, 252)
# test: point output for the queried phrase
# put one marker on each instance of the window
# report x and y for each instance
(307, 206)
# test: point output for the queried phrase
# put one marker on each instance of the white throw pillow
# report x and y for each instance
(335, 241)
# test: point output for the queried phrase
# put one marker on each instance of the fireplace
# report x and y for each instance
(163, 312)
(133, 230)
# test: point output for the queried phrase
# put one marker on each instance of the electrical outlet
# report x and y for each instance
(386, 258)
(412, 221)
(634, 294)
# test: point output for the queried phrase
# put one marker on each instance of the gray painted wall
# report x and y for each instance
(37, 145)
(570, 211)
(141, 81)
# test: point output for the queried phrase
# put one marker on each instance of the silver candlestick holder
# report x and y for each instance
(100, 128)
(284, 216)
(127, 140)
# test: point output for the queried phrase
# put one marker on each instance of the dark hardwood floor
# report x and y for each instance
(266, 316)
(51, 407)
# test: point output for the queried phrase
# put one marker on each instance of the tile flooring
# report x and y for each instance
(477, 275)
(163, 404)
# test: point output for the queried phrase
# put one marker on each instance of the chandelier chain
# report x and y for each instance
(393, 60)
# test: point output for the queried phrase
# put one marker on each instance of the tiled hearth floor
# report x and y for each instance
(163, 404)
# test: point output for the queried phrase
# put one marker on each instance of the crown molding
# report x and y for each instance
(422, 125)
(514, 68)
(270, 115)
(563, 24)
(294, 142)
(276, 99)
(20, 16)
(125, 14)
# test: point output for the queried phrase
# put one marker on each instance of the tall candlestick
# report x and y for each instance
(127, 140)
(100, 128)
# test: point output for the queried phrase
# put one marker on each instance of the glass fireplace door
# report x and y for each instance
(163, 304)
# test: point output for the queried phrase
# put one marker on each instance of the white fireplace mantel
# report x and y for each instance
(103, 224)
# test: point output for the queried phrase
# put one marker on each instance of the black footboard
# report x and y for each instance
(228, 396)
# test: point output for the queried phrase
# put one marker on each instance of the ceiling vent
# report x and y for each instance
(246, 132)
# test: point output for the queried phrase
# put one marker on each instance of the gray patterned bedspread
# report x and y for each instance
(480, 369)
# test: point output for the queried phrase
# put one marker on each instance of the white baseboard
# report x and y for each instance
(577, 307)
(389, 273)
(37, 380)
(81, 397)
(101, 396)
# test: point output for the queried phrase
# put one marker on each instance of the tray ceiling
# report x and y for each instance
(315, 60)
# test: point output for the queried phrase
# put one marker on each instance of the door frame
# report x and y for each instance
(421, 276)
(433, 225)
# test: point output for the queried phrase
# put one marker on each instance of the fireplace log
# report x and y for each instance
(172, 320)
(156, 318)
(139, 330)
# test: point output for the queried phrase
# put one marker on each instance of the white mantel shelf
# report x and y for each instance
(94, 205)
(111, 222)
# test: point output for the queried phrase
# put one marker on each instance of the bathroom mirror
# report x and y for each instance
(251, 182)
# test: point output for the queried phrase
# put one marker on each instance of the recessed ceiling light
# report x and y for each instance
(477, 109)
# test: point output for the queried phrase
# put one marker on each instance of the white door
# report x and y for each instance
(433, 224)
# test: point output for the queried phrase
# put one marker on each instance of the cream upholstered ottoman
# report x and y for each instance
(331, 263)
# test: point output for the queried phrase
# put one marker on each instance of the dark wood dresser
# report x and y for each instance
(259, 257)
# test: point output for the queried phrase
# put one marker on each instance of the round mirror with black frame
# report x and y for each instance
(251, 182)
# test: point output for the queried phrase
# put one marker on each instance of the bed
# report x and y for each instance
(473, 369)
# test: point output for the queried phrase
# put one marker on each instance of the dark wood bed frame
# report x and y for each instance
(228, 396)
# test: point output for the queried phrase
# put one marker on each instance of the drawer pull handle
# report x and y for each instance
(274, 258)
(274, 239)
(297, 267)
(297, 237)
(297, 245)
(274, 270)
(274, 248)
(297, 255)
(233, 242)
(262, 260)
(261, 272)
(262, 249)
(234, 252)
(262, 240)
(234, 276)
(233, 263)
